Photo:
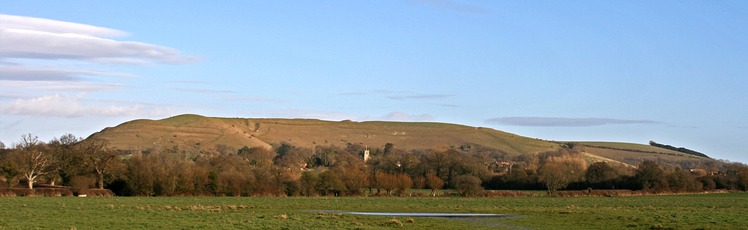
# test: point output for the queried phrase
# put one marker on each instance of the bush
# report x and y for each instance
(505, 193)
(36, 192)
(99, 193)
(81, 184)
(467, 185)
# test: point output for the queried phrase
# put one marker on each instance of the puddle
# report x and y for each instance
(419, 214)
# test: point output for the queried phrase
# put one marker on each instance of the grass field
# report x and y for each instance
(708, 211)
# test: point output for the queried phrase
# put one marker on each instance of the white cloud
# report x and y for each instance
(30, 23)
(65, 106)
(40, 58)
(28, 73)
(38, 38)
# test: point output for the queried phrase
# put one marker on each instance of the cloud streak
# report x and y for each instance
(564, 122)
(38, 38)
(48, 57)
(58, 105)
(28, 73)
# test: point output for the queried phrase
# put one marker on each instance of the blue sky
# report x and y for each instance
(632, 71)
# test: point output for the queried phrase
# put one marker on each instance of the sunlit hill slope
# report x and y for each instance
(199, 132)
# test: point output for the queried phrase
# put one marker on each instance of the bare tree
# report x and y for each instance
(32, 159)
(2, 145)
(558, 172)
(99, 157)
(403, 182)
(434, 183)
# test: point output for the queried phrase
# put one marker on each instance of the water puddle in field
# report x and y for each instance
(419, 214)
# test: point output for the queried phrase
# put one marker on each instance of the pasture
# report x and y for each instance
(699, 211)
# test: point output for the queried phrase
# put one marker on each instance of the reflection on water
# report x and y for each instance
(416, 214)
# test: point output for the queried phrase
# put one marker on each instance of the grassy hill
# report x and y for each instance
(194, 131)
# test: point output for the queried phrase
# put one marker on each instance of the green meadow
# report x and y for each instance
(699, 211)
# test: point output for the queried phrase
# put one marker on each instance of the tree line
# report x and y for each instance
(678, 149)
(287, 170)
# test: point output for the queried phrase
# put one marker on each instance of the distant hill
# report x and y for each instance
(199, 132)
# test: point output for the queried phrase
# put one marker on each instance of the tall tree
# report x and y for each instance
(66, 162)
(600, 174)
(651, 177)
(558, 171)
(10, 169)
(99, 158)
(258, 156)
(32, 158)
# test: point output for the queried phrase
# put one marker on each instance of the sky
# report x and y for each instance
(673, 72)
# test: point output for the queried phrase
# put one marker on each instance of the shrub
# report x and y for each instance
(467, 185)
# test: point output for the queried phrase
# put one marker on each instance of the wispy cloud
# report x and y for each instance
(29, 73)
(38, 38)
(564, 122)
(64, 106)
(42, 59)
(57, 56)
(78, 86)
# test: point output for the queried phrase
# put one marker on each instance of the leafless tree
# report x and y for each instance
(434, 183)
(32, 159)
(98, 157)
(558, 171)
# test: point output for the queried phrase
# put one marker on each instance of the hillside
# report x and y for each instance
(194, 131)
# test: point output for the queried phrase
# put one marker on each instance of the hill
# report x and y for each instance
(199, 132)
(195, 130)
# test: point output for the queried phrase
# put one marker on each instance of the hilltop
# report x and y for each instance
(200, 132)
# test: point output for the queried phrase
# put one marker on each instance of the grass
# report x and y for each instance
(633, 146)
(707, 211)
